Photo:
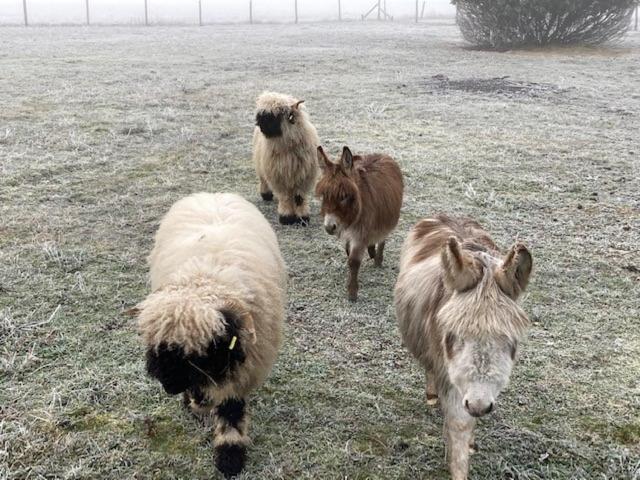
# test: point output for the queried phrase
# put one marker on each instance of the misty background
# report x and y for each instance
(186, 11)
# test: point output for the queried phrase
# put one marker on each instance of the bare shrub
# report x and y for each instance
(502, 24)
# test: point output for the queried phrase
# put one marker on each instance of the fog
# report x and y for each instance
(186, 11)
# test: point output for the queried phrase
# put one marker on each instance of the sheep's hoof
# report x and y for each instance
(266, 196)
(230, 459)
(293, 220)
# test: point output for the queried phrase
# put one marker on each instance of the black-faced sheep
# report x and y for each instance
(284, 153)
(213, 322)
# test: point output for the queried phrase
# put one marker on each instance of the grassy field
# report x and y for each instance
(102, 129)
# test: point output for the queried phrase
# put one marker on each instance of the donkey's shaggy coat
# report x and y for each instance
(361, 201)
(456, 307)
(213, 322)
(284, 153)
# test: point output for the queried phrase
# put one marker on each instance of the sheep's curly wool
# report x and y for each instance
(216, 253)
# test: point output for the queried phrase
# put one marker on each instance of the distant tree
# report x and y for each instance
(502, 24)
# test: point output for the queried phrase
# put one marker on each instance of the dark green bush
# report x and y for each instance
(502, 24)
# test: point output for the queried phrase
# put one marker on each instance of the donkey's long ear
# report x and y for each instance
(461, 270)
(347, 158)
(323, 160)
(513, 275)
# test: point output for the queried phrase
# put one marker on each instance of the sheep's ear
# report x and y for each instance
(323, 161)
(513, 275)
(461, 270)
(347, 158)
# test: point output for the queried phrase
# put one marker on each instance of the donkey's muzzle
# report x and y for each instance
(478, 408)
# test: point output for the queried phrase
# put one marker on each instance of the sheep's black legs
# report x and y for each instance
(294, 210)
(231, 436)
(265, 190)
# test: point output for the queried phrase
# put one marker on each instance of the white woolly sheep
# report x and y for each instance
(213, 322)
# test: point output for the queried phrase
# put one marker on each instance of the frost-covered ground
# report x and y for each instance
(101, 129)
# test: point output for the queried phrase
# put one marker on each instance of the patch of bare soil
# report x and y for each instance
(498, 86)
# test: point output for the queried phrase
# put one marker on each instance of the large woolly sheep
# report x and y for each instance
(284, 153)
(213, 322)
(456, 306)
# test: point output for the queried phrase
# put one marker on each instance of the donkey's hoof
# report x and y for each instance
(353, 297)
(432, 399)
(266, 196)
(230, 459)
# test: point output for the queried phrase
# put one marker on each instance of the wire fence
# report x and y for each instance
(202, 12)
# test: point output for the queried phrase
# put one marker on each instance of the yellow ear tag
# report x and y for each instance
(233, 342)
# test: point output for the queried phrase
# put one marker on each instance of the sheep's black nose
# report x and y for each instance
(269, 124)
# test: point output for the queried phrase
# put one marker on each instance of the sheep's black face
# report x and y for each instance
(270, 124)
(178, 372)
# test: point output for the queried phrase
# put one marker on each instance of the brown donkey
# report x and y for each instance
(361, 200)
(456, 307)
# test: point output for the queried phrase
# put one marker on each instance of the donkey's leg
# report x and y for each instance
(372, 251)
(458, 434)
(302, 208)
(265, 190)
(347, 247)
(230, 437)
(432, 392)
(473, 446)
(379, 254)
(355, 259)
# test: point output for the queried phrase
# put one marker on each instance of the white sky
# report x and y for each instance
(186, 11)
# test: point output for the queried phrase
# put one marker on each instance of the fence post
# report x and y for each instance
(86, 4)
(200, 12)
(146, 13)
(378, 9)
(250, 11)
(637, 7)
(24, 9)
(296, 9)
(339, 11)
(417, 10)
(423, 5)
